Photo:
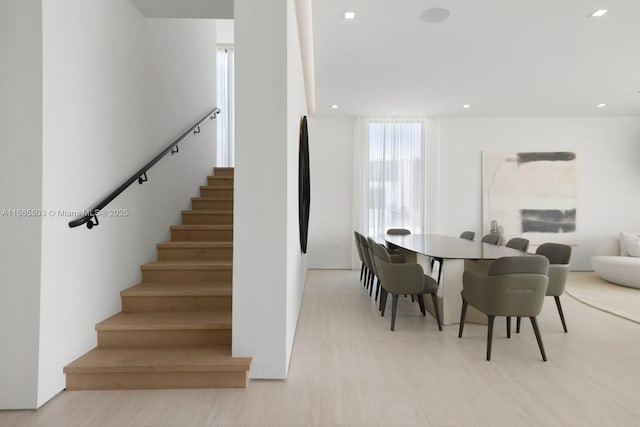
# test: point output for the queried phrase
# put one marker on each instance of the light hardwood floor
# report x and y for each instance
(347, 368)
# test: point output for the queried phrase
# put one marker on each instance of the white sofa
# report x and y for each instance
(609, 264)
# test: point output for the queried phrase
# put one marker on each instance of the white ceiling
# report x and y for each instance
(214, 9)
(504, 57)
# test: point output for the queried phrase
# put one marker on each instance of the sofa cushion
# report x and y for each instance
(630, 244)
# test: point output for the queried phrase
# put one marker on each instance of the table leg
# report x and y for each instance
(449, 300)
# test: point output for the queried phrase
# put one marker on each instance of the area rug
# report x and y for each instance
(589, 288)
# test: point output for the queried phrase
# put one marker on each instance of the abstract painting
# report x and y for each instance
(531, 195)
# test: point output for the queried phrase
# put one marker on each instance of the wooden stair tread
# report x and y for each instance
(213, 199)
(166, 320)
(217, 187)
(187, 265)
(195, 244)
(201, 227)
(171, 289)
(219, 177)
(157, 359)
(208, 212)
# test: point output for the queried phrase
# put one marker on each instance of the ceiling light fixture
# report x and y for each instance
(350, 15)
(601, 105)
(465, 106)
(434, 15)
(334, 106)
(598, 13)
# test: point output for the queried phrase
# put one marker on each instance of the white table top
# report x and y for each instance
(447, 247)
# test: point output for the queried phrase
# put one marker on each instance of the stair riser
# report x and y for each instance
(177, 303)
(218, 180)
(202, 235)
(156, 380)
(221, 254)
(188, 276)
(206, 205)
(223, 173)
(165, 338)
(207, 219)
(226, 193)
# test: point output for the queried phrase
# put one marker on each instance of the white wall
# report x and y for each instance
(331, 222)
(260, 200)
(608, 151)
(117, 89)
(268, 268)
(296, 109)
(21, 178)
(224, 31)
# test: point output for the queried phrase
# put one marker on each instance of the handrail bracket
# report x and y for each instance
(93, 221)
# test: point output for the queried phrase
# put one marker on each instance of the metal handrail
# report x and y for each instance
(91, 216)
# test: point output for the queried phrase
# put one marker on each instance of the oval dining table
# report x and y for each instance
(454, 256)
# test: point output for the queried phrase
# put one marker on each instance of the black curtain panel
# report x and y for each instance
(304, 187)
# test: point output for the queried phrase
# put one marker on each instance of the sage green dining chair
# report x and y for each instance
(368, 262)
(559, 256)
(394, 257)
(491, 239)
(513, 287)
(403, 279)
(468, 235)
(398, 232)
(518, 243)
(360, 256)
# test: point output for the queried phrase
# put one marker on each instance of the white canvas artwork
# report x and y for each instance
(531, 195)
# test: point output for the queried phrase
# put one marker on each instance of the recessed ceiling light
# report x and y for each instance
(435, 14)
(465, 106)
(349, 15)
(601, 105)
(598, 13)
(334, 106)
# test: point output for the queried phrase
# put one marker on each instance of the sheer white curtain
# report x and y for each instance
(395, 176)
(389, 175)
(225, 89)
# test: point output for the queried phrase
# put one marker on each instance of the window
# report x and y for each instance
(395, 175)
(225, 89)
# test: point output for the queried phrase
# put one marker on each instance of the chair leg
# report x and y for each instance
(377, 290)
(490, 320)
(463, 314)
(508, 327)
(534, 323)
(383, 301)
(518, 325)
(412, 299)
(373, 281)
(394, 308)
(421, 304)
(366, 278)
(436, 310)
(361, 271)
(564, 324)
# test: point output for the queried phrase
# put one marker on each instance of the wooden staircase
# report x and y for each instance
(174, 330)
